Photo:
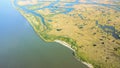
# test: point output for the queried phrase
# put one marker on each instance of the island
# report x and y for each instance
(91, 28)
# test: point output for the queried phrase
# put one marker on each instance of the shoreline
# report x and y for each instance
(69, 46)
(65, 44)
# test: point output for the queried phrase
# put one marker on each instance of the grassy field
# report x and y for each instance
(80, 29)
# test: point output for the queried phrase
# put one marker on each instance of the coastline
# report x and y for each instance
(66, 45)
(58, 41)
(69, 46)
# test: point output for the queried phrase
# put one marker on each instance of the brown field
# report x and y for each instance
(94, 45)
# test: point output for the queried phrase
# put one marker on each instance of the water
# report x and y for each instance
(72, 3)
(20, 47)
(109, 30)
